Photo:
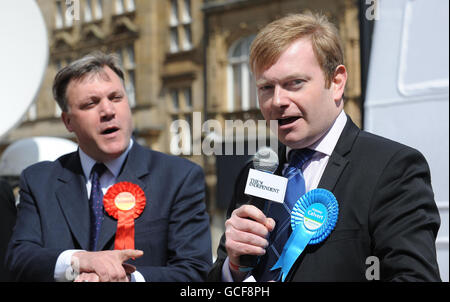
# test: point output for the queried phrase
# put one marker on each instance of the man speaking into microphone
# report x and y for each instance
(383, 189)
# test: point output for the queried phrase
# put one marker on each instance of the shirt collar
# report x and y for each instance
(113, 166)
(327, 143)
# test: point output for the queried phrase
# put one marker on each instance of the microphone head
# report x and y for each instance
(265, 160)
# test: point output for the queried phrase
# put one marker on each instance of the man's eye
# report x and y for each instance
(295, 83)
(117, 98)
(88, 105)
(266, 88)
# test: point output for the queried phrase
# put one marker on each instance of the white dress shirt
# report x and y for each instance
(312, 169)
(63, 269)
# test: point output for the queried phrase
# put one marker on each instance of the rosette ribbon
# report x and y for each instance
(124, 201)
(313, 217)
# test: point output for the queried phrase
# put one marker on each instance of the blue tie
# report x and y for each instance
(96, 204)
(281, 213)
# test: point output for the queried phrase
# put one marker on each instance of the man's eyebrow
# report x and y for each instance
(88, 98)
(115, 92)
(263, 81)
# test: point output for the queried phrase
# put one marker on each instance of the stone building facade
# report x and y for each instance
(183, 60)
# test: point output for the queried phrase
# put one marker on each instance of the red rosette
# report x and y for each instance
(124, 201)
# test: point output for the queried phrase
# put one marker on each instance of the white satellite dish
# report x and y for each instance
(28, 151)
(23, 59)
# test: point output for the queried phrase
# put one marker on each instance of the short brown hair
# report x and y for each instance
(90, 64)
(277, 36)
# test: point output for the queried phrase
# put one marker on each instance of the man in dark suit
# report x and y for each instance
(7, 220)
(388, 220)
(62, 231)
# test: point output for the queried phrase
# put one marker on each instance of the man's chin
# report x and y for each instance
(113, 151)
(294, 142)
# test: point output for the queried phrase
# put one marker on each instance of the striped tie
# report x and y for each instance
(281, 213)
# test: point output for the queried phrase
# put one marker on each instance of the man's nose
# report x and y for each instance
(280, 97)
(107, 109)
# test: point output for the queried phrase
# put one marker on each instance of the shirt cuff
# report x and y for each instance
(226, 273)
(64, 271)
(137, 277)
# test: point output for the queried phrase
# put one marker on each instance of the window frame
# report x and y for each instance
(247, 82)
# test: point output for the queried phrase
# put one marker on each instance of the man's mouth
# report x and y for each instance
(287, 120)
(110, 130)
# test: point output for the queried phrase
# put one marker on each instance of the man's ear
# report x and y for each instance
(338, 82)
(65, 117)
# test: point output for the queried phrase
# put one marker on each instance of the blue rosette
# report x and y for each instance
(321, 196)
(313, 217)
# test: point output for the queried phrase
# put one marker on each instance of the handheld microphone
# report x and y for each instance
(265, 160)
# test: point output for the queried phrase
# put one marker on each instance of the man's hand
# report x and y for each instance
(87, 277)
(93, 277)
(244, 236)
(104, 266)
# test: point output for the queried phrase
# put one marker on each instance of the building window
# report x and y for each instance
(186, 13)
(65, 13)
(127, 59)
(175, 100)
(59, 15)
(187, 98)
(124, 6)
(131, 7)
(174, 41)
(181, 100)
(187, 39)
(93, 10)
(180, 21)
(181, 120)
(241, 84)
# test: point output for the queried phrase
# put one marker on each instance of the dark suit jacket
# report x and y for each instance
(173, 230)
(386, 209)
(7, 220)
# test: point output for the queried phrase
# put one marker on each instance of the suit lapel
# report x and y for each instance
(338, 161)
(72, 197)
(333, 171)
(133, 169)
